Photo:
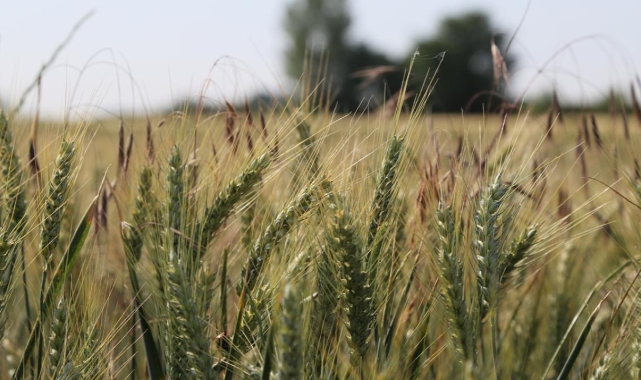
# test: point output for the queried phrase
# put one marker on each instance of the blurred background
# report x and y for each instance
(152, 56)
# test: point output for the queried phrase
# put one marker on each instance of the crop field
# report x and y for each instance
(294, 243)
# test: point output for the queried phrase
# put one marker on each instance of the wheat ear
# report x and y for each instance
(188, 354)
(56, 200)
(223, 205)
(8, 256)
(144, 209)
(290, 335)
(356, 292)
(14, 196)
(519, 250)
(176, 195)
(381, 204)
(54, 208)
(14, 201)
(487, 243)
(453, 287)
(58, 339)
(272, 235)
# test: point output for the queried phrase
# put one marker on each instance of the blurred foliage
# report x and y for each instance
(319, 48)
(466, 70)
(616, 101)
(358, 75)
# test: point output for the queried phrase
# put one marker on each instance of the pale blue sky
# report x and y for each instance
(170, 47)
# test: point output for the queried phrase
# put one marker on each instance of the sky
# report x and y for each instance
(141, 56)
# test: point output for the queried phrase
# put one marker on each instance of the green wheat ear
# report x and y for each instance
(521, 246)
(58, 339)
(54, 208)
(327, 298)
(175, 194)
(56, 200)
(8, 257)
(13, 187)
(381, 208)
(356, 293)
(451, 272)
(488, 243)
(381, 204)
(92, 362)
(144, 209)
(290, 335)
(271, 236)
(188, 354)
(223, 205)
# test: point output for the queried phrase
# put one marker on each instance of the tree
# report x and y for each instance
(317, 28)
(466, 71)
(356, 74)
(373, 78)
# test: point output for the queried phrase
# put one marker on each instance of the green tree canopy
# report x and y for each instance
(464, 43)
(316, 28)
(358, 76)
(318, 33)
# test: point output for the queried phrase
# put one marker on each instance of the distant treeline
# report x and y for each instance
(467, 60)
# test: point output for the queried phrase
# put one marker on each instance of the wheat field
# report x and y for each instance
(294, 243)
